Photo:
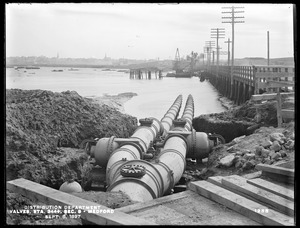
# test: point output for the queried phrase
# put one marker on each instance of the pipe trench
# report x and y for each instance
(164, 171)
(144, 135)
(149, 163)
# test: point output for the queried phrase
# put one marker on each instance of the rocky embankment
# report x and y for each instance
(44, 131)
(251, 136)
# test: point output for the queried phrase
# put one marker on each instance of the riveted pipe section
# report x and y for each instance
(163, 172)
(188, 113)
(145, 134)
(171, 114)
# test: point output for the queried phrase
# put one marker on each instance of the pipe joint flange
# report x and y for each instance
(179, 123)
(161, 130)
(110, 148)
(171, 178)
(170, 135)
(137, 146)
(133, 170)
(176, 152)
(146, 122)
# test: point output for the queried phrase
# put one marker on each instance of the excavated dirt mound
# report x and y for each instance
(242, 120)
(44, 131)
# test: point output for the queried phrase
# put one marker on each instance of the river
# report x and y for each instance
(154, 97)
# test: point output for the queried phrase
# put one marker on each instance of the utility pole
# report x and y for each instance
(268, 48)
(217, 33)
(208, 46)
(228, 50)
(232, 21)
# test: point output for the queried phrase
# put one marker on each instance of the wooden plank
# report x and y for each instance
(270, 96)
(155, 202)
(240, 184)
(273, 74)
(285, 164)
(276, 169)
(252, 175)
(274, 188)
(50, 196)
(240, 204)
(217, 180)
(279, 177)
(288, 114)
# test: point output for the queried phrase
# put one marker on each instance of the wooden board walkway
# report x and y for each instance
(50, 196)
(243, 205)
(231, 200)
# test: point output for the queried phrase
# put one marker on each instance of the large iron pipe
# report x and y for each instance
(145, 134)
(163, 172)
(171, 114)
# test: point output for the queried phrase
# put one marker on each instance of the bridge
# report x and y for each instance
(249, 80)
(145, 72)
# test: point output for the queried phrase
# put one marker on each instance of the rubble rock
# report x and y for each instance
(249, 156)
(266, 144)
(292, 136)
(258, 150)
(239, 153)
(265, 153)
(230, 149)
(277, 137)
(275, 155)
(227, 161)
(267, 161)
(248, 165)
(239, 164)
(290, 144)
(282, 153)
(275, 146)
(238, 139)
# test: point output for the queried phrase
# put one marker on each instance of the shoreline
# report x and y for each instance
(115, 101)
(226, 102)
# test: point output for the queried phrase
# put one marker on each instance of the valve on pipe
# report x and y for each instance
(163, 171)
(149, 163)
(141, 140)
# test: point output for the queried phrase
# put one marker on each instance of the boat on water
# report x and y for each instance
(183, 68)
(32, 67)
(180, 74)
(18, 67)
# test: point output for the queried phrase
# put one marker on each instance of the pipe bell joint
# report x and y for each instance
(103, 150)
(199, 145)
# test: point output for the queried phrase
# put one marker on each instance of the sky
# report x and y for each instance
(144, 30)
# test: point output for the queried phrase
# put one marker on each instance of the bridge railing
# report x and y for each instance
(261, 78)
(272, 78)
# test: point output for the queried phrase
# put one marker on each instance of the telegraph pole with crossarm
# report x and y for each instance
(218, 33)
(228, 50)
(232, 20)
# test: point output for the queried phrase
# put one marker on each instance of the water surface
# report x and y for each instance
(154, 97)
